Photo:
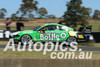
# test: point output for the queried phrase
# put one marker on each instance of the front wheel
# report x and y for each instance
(26, 39)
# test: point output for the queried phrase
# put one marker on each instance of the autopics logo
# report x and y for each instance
(57, 50)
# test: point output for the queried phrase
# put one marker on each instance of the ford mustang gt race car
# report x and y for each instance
(49, 32)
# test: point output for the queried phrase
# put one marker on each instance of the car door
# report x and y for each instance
(63, 33)
(48, 35)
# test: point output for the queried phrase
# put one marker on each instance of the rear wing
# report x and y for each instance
(84, 29)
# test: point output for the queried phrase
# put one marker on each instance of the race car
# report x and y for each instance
(48, 32)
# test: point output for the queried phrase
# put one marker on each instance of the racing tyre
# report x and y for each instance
(71, 39)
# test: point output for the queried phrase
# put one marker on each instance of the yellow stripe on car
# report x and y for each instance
(80, 36)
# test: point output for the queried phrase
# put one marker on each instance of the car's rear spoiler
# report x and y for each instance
(84, 29)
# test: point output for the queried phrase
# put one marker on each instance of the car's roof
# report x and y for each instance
(54, 24)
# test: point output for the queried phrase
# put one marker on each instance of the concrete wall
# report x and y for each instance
(30, 62)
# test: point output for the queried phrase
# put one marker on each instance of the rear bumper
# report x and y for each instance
(15, 38)
(87, 38)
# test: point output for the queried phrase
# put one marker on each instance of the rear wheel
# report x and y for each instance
(26, 39)
(71, 39)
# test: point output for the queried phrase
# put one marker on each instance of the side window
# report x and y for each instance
(52, 27)
(60, 28)
(49, 27)
(63, 28)
(46, 28)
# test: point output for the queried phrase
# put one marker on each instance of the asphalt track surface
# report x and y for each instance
(83, 48)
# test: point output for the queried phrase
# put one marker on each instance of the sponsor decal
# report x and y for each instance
(52, 36)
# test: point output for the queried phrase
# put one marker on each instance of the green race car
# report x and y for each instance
(48, 32)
